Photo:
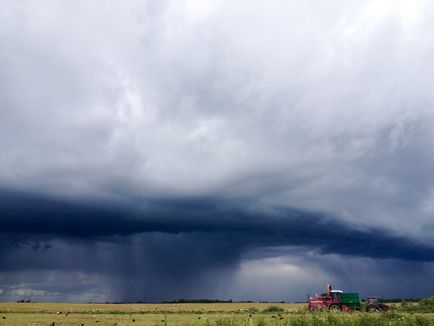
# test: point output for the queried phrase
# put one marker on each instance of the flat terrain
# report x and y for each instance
(219, 314)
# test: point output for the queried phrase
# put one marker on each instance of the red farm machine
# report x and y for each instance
(334, 300)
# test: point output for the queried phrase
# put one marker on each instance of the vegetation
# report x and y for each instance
(252, 310)
(273, 309)
(424, 305)
(207, 314)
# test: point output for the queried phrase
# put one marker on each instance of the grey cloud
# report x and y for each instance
(302, 106)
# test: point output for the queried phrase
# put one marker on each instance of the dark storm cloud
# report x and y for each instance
(236, 224)
(169, 249)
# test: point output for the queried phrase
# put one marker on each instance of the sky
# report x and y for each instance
(248, 150)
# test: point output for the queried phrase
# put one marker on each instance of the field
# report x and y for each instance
(218, 314)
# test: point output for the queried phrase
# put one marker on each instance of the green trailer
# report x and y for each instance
(351, 300)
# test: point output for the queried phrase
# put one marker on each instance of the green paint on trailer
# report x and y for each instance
(350, 299)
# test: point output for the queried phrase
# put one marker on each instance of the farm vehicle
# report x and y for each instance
(334, 300)
(337, 300)
(376, 304)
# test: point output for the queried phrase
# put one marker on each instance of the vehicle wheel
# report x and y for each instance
(372, 308)
(335, 308)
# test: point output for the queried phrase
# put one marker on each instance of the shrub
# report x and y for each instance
(427, 302)
(252, 310)
(424, 305)
(273, 309)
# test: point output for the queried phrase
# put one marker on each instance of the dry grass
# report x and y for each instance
(212, 314)
(140, 308)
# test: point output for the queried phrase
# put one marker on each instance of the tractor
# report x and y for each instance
(376, 304)
(334, 300)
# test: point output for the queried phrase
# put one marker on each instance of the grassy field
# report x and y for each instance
(218, 314)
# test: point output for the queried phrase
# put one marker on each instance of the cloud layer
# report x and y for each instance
(234, 129)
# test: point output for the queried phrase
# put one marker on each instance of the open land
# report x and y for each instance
(218, 314)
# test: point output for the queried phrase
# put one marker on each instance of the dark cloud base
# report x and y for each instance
(236, 223)
(167, 249)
